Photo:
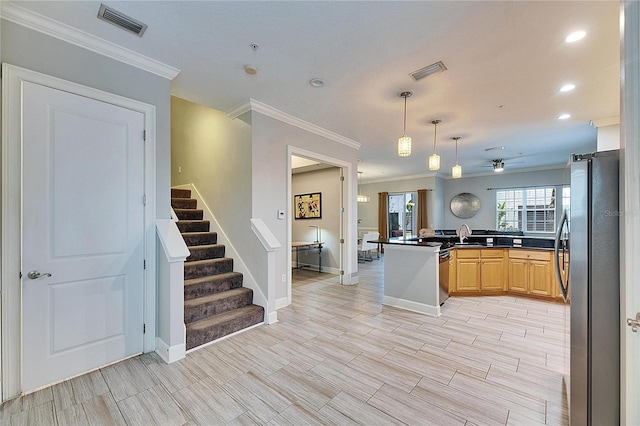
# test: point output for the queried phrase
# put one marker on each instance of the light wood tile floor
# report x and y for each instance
(337, 356)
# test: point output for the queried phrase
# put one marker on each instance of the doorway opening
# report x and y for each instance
(402, 217)
(328, 181)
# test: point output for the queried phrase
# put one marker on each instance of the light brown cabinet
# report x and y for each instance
(531, 272)
(503, 270)
(468, 270)
(492, 270)
(480, 270)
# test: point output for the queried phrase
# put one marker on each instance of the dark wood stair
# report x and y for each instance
(215, 302)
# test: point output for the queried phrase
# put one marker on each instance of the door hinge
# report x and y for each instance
(341, 209)
(341, 178)
(20, 274)
(144, 135)
(341, 272)
(144, 200)
(634, 323)
(144, 264)
(144, 328)
(341, 240)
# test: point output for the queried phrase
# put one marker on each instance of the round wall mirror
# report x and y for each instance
(465, 205)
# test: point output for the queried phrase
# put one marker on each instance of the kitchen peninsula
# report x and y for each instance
(420, 273)
(411, 275)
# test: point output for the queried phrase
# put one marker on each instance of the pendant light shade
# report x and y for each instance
(404, 142)
(434, 159)
(456, 171)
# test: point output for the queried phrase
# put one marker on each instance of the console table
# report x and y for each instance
(306, 245)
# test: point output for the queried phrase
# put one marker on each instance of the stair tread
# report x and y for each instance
(196, 281)
(205, 246)
(224, 317)
(187, 210)
(216, 297)
(205, 261)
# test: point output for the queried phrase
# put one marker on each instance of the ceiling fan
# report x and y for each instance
(498, 164)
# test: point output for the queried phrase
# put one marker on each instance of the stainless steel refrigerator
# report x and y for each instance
(593, 285)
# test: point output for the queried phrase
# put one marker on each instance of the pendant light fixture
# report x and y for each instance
(456, 171)
(404, 142)
(434, 159)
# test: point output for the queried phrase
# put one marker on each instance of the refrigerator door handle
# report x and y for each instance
(564, 286)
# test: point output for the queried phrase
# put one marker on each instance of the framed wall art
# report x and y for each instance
(308, 206)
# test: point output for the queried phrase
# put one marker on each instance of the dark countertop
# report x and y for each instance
(475, 242)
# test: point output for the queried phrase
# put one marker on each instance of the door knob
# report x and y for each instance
(634, 323)
(34, 275)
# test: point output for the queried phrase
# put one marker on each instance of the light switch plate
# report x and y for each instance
(281, 214)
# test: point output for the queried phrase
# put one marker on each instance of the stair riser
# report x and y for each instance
(200, 337)
(180, 193)
(213, 267)
(195, 226)
(198, 253)
(184, 203)
(196, 313)
(200, 239)
(212, 286)
(189, 214)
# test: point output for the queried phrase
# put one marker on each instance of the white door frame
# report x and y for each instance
(11, 230)
(630, 207)
(346, 261)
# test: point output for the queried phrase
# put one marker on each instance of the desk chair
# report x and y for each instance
(365, 247)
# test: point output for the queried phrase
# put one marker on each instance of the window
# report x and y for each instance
(528, 209)
(402, 217)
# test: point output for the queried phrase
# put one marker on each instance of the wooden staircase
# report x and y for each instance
(215, 302)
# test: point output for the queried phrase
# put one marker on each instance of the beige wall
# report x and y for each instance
(214, 153)
(368, 212)
(327, 182)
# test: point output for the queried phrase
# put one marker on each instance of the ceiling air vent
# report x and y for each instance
(429, 70)
(121, 20)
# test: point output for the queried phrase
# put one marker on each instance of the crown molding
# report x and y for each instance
(64, 32)
(257, 106)
(603, 122)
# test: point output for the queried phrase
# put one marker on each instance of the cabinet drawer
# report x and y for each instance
(530, 254)
(468, 253)
(497, 252)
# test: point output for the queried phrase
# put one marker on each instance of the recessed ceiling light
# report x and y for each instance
(573, 37)
(568, 87)
(564, 116)
(316, 82)
(251, 69)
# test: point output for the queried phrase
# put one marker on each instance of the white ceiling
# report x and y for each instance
(506, 61)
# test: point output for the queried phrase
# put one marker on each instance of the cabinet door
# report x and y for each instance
(468, 275)
(491, 274)
(452, 273)
(518, 275)
(540, 277)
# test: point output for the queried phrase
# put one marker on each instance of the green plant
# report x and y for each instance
(502, 213)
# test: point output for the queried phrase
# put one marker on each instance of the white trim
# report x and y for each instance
(409, 305)
(603, 122)
(349, 203)
(43, 24)
(11, 195)
(282, 302)
(249, 281)
(168, 353)
(253, 105)
(630, 220)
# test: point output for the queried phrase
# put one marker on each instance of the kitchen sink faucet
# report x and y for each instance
(463, 232)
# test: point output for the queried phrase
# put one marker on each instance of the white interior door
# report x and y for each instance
(83, 232)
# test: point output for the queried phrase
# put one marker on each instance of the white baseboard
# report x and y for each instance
(272, 318)
(409, 305)
(282, 302)
(170, 353)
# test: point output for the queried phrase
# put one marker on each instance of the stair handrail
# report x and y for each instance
(260, 298)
